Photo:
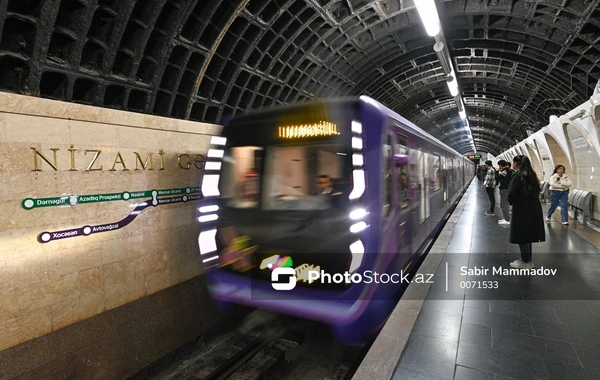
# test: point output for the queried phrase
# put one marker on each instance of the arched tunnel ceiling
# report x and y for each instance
(517, 62)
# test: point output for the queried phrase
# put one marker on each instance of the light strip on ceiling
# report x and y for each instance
(429, 16)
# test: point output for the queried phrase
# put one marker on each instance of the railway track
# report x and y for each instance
(273, 341)
(263, 347)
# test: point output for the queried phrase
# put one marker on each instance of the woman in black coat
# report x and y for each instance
(527, 221)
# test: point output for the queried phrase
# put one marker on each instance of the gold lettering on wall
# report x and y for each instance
(89, 167)
(37, 153)
(138, 159)
(72, 159)
(161, 153)
(199, 159)
(118, 160)
(187, 164)
(95, 162)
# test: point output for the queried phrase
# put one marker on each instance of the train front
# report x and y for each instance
(283, 226)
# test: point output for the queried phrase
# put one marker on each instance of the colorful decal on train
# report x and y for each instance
(237, 251)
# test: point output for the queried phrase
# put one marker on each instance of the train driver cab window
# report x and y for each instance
(292, 177)
(387, 175)
(401, 148)
(305, 177)
(437, 170)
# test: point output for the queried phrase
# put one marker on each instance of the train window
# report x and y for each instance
(403, 185)
(303, 177)
(401, 148)
(387, 175)
(437, 170)
(240, 181)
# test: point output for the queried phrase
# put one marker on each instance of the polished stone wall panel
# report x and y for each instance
(85, 306)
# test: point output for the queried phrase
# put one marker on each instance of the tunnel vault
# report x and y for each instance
(517, 62)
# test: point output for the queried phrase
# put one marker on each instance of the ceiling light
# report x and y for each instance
(429, 16)
(453, 87)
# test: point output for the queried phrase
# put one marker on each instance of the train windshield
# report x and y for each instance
(284, 187)
(289, 176)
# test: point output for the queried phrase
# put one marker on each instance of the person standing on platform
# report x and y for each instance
(503, 177)
(481, 173)
(527, 224)
(559, 184)
(490, 186)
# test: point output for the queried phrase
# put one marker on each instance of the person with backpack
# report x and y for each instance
(490, 186)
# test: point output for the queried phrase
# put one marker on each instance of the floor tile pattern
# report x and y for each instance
(530, 326)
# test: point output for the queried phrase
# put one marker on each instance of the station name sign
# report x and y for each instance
(94, 160)
(473, 156)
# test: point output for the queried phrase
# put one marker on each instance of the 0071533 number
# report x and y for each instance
(479, 284)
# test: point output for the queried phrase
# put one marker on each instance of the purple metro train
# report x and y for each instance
(320, 210)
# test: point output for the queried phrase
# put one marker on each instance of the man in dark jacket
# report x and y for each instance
(490, 186)
(503, 176)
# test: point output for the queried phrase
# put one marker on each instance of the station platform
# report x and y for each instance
(496, 325)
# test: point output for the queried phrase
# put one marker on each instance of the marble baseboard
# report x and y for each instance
(117, 343)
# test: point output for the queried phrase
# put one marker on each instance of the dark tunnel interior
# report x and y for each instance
(517, 62)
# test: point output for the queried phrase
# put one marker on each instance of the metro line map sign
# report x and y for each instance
(74, 200)
(181, 195)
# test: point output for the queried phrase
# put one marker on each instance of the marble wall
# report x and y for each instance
(87, 156)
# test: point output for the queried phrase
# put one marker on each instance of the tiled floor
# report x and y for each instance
(526, 326)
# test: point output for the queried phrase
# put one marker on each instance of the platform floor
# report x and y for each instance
(529, 327)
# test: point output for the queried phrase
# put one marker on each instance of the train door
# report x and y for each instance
(414, 190)
(444, 177)
(451, 181)
(423, 186)
(389, 212)
(404, 230)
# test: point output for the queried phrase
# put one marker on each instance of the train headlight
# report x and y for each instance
(358, 214)
(357, 160)
(215, 153)
(357, 143)
(357, 227)
(205, 209)
(358, 179)
(207, 241)
(218, 140)
(210, 259)
(212, 165)
(208, 218)
(210, 185)
(358, 250)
